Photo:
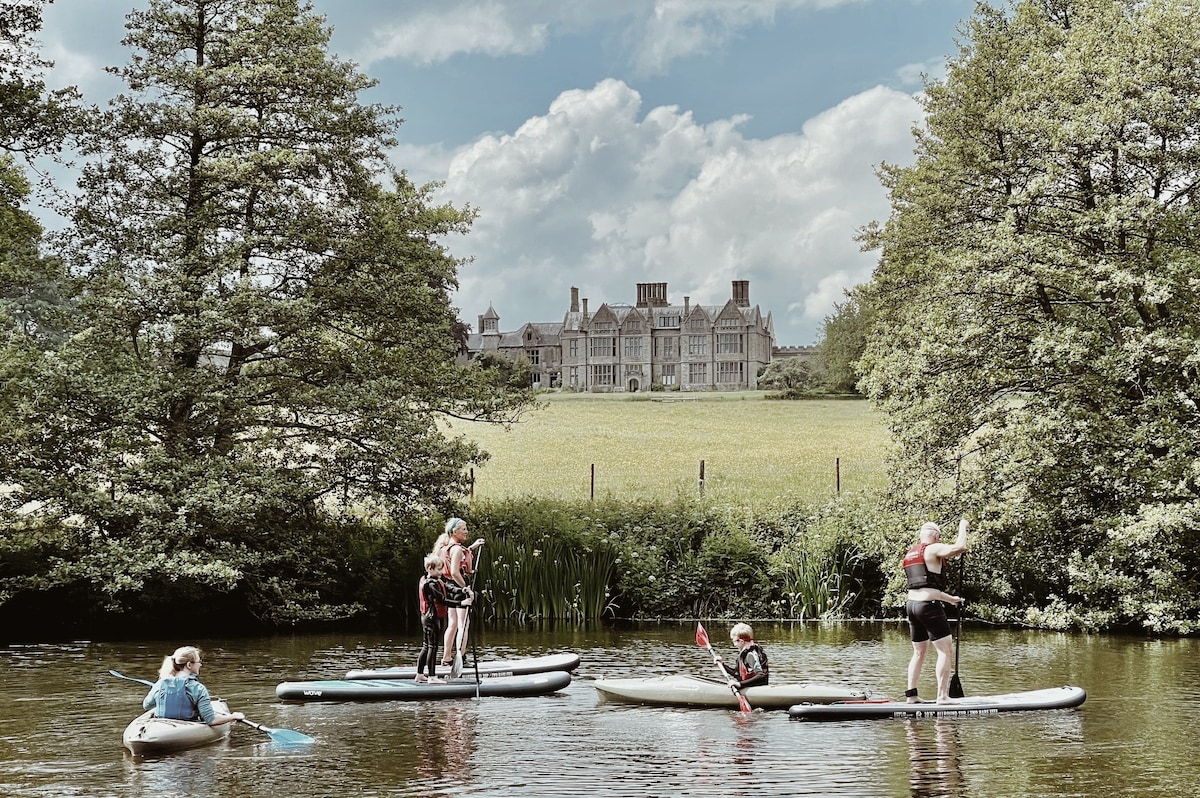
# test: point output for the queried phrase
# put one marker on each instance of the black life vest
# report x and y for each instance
(918, 574)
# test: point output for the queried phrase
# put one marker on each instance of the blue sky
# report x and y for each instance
(612, 142)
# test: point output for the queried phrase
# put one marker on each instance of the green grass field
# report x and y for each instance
(649, 447)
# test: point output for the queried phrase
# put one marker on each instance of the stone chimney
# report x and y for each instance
(741, 293)
(651, 295)
(574, 299)
(687, 306)
(585, 316)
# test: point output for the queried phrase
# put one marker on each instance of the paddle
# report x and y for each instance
(702, 641)
(457, 667)
(474, 651)
(956, 688)
(278, 735)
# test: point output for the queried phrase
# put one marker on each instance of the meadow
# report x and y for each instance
(648, 447)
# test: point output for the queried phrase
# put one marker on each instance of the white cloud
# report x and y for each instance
(658, 32)
(597, 194)
(914, 75)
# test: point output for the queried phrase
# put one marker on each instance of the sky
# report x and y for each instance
(608, 143)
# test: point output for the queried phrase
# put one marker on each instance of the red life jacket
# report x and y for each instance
(464, 566)
(917, 574)
(437, 586)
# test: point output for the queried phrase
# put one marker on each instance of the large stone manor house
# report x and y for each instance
(621, 347)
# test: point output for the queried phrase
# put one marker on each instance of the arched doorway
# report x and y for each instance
(633, 385)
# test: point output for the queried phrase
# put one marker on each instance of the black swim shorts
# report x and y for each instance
(927, 620)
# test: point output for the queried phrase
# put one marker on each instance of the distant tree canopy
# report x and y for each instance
(1036, 309)
(260, 341)
(843, 342)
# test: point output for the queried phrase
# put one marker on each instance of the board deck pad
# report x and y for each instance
(1051, 698)
(500, 667)
(409, 690)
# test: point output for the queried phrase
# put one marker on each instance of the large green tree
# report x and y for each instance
(1037, 333)
(264, 341)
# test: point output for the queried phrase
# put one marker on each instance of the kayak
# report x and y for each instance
(500, 667)
(147, 734)
(692, 691)
(409, 690)
(1051, 698)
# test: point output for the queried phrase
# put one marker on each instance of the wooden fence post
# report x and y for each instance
(593, 495)
(702, 478)
(837, 473)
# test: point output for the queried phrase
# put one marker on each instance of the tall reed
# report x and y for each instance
(546, 576)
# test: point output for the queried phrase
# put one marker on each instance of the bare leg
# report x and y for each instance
(914, 665)
(464, 624)
(944, 650)
(451, 634)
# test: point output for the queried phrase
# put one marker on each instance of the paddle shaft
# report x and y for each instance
(702, 639)
(956, 688)
(474, 651)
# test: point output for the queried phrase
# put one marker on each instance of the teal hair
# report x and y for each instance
(453, 522)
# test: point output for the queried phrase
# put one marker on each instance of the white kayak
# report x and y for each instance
(692, 691)
(150, 735)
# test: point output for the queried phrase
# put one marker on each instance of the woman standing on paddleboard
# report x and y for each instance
(459, 566)
(926, 609)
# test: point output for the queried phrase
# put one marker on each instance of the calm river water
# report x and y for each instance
(62, 714)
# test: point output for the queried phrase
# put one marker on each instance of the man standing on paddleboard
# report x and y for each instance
(924, 571)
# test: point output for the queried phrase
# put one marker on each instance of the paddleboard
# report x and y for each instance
(409, 690)
(1050, 698)
(501, 667)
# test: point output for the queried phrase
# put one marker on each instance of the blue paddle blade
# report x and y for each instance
(280, 735)
(289, 736)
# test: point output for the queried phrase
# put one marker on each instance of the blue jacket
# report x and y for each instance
(181, 698)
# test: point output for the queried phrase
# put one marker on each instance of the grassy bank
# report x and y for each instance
(649, 447)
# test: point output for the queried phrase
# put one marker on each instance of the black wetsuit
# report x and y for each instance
(436, 594)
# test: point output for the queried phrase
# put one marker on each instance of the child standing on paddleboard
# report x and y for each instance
(752, 669)
(435, 593)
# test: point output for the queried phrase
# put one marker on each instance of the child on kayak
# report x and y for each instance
(752, 669)
(435, 593)
(178, 693)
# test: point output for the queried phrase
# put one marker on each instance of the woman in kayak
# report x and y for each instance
(436, 594)
(178, 693)
(752, 669)
(459, 565)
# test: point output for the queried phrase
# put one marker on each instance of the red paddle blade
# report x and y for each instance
(701, 636)
(744, 703)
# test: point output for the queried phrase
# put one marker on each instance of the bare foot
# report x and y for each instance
(912, 699)
(947, 700)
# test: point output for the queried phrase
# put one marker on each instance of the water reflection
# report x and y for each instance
(183, 773)
(934, 753)
(445, 742)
